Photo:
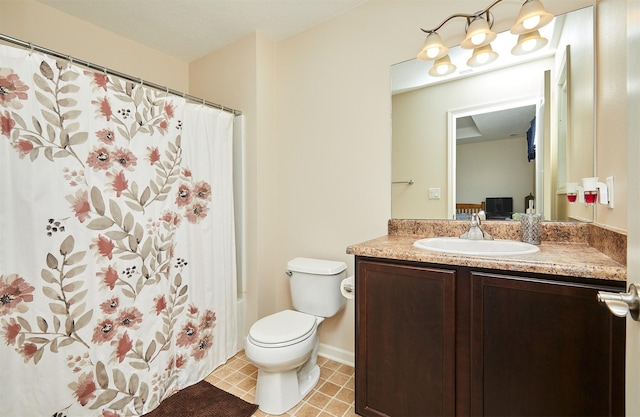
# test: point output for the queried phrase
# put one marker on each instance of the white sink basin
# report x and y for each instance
(458, 246)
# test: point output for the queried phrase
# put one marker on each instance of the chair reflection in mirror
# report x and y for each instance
(465, 210)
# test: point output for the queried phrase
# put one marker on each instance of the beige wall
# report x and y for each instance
(242, 76)
(611, 124)
(580, 98)
(511, 174)
(318, 125)
(30, 21)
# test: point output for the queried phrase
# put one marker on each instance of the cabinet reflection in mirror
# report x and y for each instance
(512, 131)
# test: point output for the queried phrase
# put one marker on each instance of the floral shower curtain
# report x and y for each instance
(117, 263)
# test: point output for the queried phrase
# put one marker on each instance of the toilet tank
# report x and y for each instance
(315, 285)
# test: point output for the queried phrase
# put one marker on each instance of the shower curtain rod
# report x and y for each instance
(69, 58)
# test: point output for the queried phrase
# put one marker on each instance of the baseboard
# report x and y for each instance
(345, 357)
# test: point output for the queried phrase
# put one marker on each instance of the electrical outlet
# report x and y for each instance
(434, 193)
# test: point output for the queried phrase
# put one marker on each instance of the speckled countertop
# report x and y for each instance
(569, 249)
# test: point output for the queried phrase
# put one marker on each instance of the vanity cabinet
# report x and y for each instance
(439, 340)
(542, 347)
(405, 340)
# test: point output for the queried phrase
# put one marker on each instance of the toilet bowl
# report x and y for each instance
(284, 345)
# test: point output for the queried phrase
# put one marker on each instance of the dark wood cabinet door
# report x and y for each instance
(544, 348)
(405, 340)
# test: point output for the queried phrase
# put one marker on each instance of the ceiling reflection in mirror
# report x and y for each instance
(463, 138)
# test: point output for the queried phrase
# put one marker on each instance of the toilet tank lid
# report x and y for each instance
(316, 266)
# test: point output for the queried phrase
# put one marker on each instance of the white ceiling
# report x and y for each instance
(497, 125)
(190, 29)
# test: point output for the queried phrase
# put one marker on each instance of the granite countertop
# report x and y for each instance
(576, 258)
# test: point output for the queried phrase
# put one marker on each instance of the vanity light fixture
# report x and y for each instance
(529, 42)
(433, 48)
(442, 67)
(532, 17)
(479, 33)
(482, 56)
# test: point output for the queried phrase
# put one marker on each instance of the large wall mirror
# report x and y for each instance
(513, 131)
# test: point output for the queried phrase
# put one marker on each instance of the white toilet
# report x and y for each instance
(284, 345)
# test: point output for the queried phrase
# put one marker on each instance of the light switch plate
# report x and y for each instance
(434, 193)
(609, 182)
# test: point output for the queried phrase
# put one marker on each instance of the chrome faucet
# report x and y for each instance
(475, 231)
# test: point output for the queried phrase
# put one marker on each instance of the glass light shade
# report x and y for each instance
(532, 17)
(482, 56)
(529, 42)
(433, 48)
(442, 67)
(478, 34)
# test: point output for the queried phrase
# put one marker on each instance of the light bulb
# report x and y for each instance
(478, 39)
(433, 52)
(482, 58)
(531, 22)
(442, 69)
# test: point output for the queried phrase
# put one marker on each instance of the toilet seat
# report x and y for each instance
(281, 329)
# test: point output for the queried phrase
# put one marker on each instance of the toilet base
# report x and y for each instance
(278, 392)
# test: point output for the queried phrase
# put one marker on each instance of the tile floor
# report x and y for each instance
(333, 396)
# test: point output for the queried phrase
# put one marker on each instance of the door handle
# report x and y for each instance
(622, 303)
